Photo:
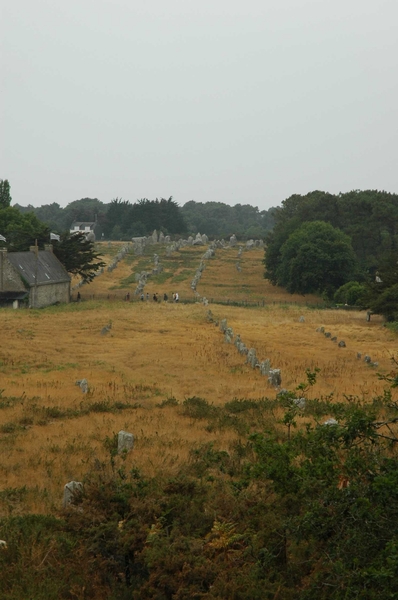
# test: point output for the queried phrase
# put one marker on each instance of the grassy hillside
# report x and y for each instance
(50, 430)
(166, 374)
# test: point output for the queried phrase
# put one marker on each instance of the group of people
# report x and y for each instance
(155, 297)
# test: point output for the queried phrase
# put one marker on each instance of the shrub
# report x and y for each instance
(351, 293)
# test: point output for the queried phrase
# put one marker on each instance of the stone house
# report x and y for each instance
(36, 276)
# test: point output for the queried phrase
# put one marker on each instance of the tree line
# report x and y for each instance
(322, 242)
(121, 219)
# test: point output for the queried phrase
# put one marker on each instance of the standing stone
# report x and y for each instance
(229, 334)
(249, 244)
(265, 367)
(359, 355)
(301, 319)
(83, 384)
(223, 325)
(342, 344)
(367, 359)
(300, 403)
(331, 422)
(155, 237)
(161, 237)
(233, 241)
(242, 348)
(125, 442)
(328, 334)
(252, 358)
(198, 240)
(238, 267)
(70, 489)
(275, 377)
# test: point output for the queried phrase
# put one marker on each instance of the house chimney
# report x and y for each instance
(48, 247)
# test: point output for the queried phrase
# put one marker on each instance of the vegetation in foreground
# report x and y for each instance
(309, 512)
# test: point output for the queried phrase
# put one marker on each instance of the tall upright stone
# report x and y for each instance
(125, 442)
(71, 489)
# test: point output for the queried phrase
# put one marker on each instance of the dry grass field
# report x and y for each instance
(51, 433)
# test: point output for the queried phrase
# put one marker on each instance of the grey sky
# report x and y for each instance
(207, 100)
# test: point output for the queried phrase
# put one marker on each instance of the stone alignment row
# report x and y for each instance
(274, 375)
(342, 344)
(119, 256)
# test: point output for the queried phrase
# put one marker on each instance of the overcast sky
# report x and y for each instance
(244, 101)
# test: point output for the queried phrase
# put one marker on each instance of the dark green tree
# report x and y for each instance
(383, 288)
(316, 258)
(351, 293)
(217, 219)
(78, 255)
(21, 230)
(5, 196)
(369, 218)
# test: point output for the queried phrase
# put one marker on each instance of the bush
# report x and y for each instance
(351, 293)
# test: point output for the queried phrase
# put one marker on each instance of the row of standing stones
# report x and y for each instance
(274, 375)
(210, 253)
(112, 265)
(125, 439)
(199, 240)
(125, 443)
(367, 359)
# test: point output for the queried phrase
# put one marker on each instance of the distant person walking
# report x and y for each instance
(79, 296)
(155, 298)
(176, 297)
(165, 297)
(128, 297)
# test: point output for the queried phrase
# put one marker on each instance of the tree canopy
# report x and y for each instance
(78, 255)
(125, 220)
(21, 230)
(220, 220)
(316, 258)
(5, 195)
(369, 218)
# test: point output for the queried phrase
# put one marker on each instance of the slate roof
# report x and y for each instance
(48, 268)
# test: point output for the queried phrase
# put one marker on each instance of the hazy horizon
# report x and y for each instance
(213, 101)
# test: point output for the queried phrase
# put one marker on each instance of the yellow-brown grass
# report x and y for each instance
(153, 352)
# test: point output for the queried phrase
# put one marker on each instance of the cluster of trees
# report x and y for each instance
(125, 220)
(122, 220)
(289, 512)
(23, 229)
(322, 241)
(220, 220)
